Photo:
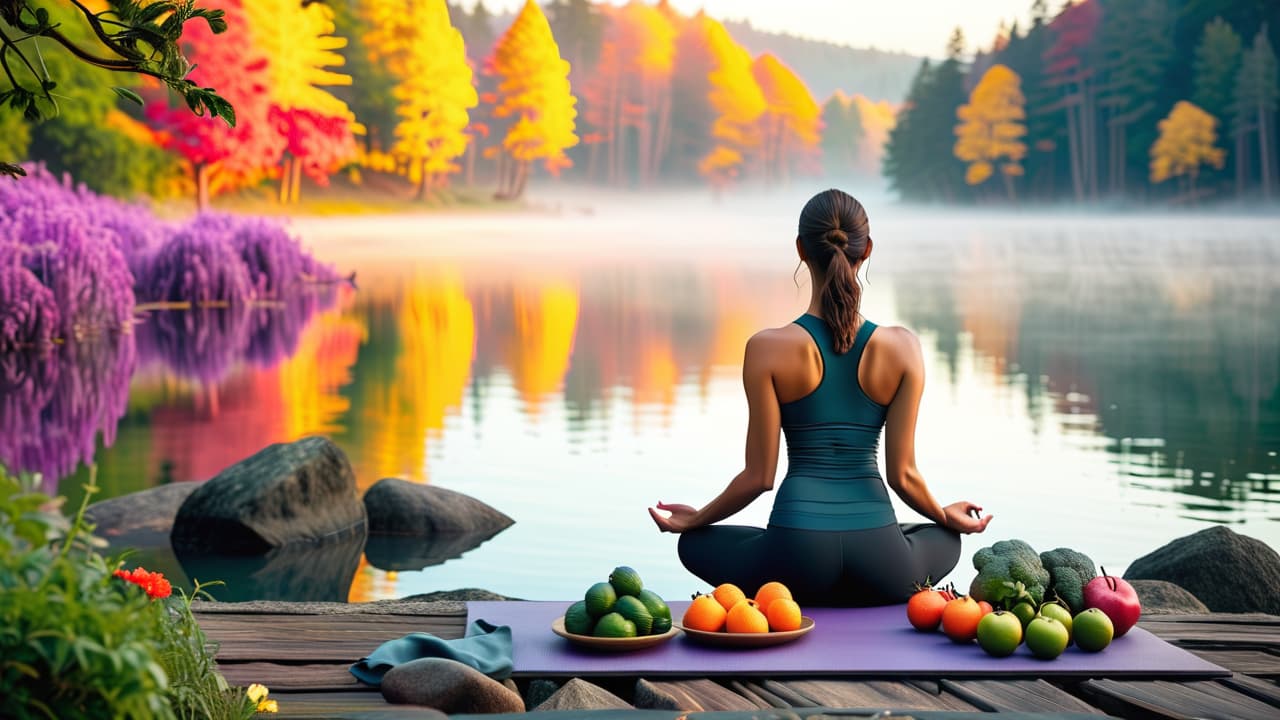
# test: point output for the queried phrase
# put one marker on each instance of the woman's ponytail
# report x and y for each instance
(834, 232)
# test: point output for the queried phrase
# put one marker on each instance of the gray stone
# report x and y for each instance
(448, 686)
(141, 518)
(578, 694)
(303, 491)
(539, 690)
(651, 697)
(400, 507)
(1164, 598)
(1226, 571)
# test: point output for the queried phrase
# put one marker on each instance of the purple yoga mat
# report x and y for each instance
(845, 641)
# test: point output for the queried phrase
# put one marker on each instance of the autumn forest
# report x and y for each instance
(1160, 101)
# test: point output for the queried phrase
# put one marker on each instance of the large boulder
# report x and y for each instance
(400, 507)
(1164, 598)
(448, 686)
(1227, 571)
(141, 518)
(303, 491)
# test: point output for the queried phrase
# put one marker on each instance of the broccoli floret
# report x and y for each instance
(1069, 570)
(1008, 571)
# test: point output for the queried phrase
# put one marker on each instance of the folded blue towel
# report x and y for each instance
(486, 648)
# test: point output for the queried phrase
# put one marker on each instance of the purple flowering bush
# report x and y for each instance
(90, 285)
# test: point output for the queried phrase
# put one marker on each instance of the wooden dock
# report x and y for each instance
(302, 655)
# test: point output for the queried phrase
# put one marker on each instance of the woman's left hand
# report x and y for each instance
(680, 519)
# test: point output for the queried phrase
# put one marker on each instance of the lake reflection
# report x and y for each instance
(1104, 387)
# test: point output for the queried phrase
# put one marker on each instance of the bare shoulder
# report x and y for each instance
(898, 344)
(773, 343)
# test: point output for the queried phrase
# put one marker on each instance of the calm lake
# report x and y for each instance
(1101, 382)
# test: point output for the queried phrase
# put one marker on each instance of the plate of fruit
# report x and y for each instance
(728, 618)
(617, 616)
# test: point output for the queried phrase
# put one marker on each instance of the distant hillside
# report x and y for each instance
(827, 67)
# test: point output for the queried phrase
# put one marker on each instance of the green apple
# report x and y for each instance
(1059, 613)
(1046, 637)
(999, 633)
(1026, 612)
(1093, 630)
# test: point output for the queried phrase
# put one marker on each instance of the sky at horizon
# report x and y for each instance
(919, 27)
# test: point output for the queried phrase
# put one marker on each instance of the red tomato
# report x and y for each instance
(986, 606)
(924, 609)
(960, 619)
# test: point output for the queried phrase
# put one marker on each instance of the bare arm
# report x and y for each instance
(902, 474)
(763, 429)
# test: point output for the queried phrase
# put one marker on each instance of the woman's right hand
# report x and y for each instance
(964, 517)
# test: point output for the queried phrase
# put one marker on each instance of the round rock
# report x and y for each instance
(1226, 571)
(448, 686)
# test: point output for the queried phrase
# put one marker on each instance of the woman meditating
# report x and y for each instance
(831, 380)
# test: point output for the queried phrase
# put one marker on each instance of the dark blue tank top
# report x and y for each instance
(833, 481)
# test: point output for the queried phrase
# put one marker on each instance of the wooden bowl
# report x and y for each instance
(605, 644)
(748, 640)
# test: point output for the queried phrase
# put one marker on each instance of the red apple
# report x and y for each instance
(1116, 598)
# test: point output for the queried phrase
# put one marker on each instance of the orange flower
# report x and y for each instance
(154, 583)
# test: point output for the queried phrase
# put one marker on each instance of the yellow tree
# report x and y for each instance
(425, 54)
(792, 121)
(1188, 139)
(535, 98)
(737, 101)
(991, 128)
(300, 46)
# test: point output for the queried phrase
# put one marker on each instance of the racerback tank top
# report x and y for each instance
(832, 480)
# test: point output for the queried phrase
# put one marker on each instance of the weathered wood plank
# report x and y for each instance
(300, 706)
(1229, 618)
(765, 695)
(1216, 633)
(1250, 662)
(742, 689)
(292, 678)
(877, 694)
(1177, 701)
(1017, 696)
(700, 694)
(316, 638)
(1267, 692)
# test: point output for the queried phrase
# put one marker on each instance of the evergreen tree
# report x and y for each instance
(1254, 106)
(1131, 58)
(370, 95)
(1217, 61)
(691, 112)
(842, 136)
(918, 159)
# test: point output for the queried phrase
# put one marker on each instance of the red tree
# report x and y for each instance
(318, 144)
(222, 156)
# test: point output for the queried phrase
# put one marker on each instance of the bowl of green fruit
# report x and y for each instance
(619, 615)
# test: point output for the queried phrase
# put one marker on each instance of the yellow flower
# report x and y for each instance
(268, 706)
(257, 693)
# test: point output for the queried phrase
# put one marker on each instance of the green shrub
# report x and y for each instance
(76, 642)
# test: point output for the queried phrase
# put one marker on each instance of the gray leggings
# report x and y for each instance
(878, 566)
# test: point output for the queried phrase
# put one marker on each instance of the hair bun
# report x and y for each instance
(836, 237)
